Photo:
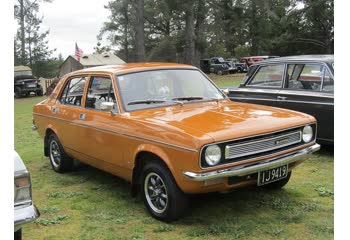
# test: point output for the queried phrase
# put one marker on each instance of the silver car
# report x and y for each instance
(25, 210)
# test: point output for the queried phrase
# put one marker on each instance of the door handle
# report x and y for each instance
(54, 110)
(82, 116)
(281, 98)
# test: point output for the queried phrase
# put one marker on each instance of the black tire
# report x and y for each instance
(59, 160)
(18, 235)
(39, 93)
(211, 69)
(166, 208)
(278, 184)
(219, 72)
(18, 92)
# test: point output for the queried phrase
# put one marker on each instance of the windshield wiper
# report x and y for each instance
(149, 101)
(188, 98)
(146, 101)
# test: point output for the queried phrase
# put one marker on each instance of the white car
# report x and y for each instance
(24, 208)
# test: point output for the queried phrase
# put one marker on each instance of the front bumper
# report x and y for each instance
(242, 170)
(24, 215)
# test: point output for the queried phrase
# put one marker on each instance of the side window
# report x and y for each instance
(268, 76)
(305, 76)
(73, 91)
(100, 90)
(328, 82)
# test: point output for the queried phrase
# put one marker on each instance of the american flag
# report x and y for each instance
(78, 52)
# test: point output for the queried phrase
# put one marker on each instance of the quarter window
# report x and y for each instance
(268, 76)
(328, 82)
(73, 92)
(100, 91)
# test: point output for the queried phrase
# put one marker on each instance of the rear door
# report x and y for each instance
(309, 88)
(66, 109)
(262, 86)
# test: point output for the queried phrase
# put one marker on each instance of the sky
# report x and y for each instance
(71, 21)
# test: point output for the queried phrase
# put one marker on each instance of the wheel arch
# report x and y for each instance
(49, 130)
(147, 153)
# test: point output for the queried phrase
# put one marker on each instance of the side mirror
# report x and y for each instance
(225, 91)
(107, 106)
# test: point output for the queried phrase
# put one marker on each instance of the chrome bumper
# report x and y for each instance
(250, 168)
(24, 215)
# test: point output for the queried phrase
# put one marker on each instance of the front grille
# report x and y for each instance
(261, 145)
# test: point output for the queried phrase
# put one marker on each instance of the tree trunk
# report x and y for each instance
(190, 37)
(23, 51)
(140, 35)
(200, 32)
(126, 30)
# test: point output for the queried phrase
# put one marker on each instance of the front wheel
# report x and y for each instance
(162, 197)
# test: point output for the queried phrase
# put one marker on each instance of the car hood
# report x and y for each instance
(224, 120)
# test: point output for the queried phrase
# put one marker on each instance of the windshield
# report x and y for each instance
(23, 73)
(156, 88)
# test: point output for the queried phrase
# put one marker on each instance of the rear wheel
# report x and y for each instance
(162, 197)
(278, 184)
(39, 93)
(59, 160)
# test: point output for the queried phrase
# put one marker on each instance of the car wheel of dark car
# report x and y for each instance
(39, 93)
(161, 195)
(212, 69)
(59, 160)
(18, 235)
(219, 72)
(278, 184)
(18, 92)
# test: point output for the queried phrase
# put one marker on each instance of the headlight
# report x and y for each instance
(213, 155)
(307, 133)
(22, 189)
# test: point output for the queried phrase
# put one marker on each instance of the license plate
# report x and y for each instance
(31, 85)
(272, 175)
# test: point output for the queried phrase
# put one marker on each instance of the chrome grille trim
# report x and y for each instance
(262, 145)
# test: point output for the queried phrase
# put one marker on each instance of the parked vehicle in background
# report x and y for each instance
(25, 83)
(253, 59)
(301, 83)
(240, 67)
(24, 208)
(215, 65)
(171, 132)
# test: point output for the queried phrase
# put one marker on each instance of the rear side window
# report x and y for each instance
(268, 76)
(305, 76)
(73, 91)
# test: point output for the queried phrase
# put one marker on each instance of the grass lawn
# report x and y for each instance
(228, 80)
(91, 204)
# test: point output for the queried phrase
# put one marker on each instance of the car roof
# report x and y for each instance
(131, 67)
(299, 58)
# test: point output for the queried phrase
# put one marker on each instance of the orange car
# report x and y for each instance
(170, 131)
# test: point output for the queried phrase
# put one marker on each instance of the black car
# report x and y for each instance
(301, 83)
(215, 65)
(25, 83)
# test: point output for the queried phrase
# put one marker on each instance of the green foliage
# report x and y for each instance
(225, 28)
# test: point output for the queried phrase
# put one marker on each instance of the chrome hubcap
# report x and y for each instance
(156, 192)
(55, 154)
